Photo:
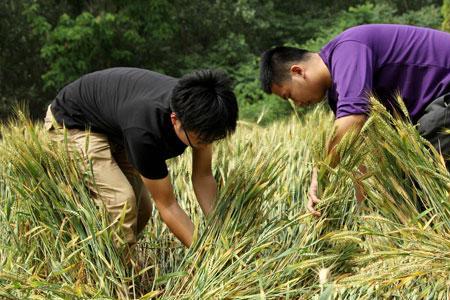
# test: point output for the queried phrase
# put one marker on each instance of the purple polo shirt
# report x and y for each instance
(387, 60)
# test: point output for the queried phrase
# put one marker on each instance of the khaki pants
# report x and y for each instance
(116, 183)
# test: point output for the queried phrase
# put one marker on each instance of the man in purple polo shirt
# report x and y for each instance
(381, 59)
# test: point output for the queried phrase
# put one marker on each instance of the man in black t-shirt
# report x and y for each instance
(128, 121)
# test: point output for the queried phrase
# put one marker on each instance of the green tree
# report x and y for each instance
(47, 43)
(87, 43)
(446, 15)
(20, 64)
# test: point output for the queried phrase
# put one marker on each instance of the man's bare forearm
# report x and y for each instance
(343, 126)
(205, 188)
(178, 222)
(170, 211)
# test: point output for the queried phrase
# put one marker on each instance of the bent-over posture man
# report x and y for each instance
(128, 121)
(381, 59)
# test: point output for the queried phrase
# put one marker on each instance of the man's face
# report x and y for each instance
(302, 90)
(188, 138)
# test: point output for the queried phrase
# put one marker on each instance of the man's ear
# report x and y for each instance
(173, 118)
(297, 70)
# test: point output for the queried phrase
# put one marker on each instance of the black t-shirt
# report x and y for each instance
(132, 107)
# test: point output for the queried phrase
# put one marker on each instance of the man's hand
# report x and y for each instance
(342, 126)
(171, 213)
(312, 194)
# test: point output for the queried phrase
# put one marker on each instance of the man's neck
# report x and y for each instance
(322, 70)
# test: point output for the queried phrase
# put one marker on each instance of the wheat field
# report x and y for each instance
(260, 243)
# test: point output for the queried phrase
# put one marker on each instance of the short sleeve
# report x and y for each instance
(352, 69)
(143, 153)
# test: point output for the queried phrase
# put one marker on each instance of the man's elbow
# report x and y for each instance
(164, 204)
(200, 176)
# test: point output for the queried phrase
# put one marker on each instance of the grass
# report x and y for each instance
(260, 243)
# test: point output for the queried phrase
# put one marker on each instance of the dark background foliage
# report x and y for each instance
(46, 44)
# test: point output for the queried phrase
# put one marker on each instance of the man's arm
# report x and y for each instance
(171, 213)
(342, 126)
(205, 186)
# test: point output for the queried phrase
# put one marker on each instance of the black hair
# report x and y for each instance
(274, 65)
(206, 105)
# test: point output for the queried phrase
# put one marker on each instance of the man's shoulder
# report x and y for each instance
(360, 34)
(126, 72)
(381, 39)
(373, 34)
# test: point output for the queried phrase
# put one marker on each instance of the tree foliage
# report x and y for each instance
(46, 44)
(446, 15)
(88, 43)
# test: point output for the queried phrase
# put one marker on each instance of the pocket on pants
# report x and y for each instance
(48, 125)
(48, 120)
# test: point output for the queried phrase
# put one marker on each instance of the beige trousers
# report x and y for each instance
(116, 183)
